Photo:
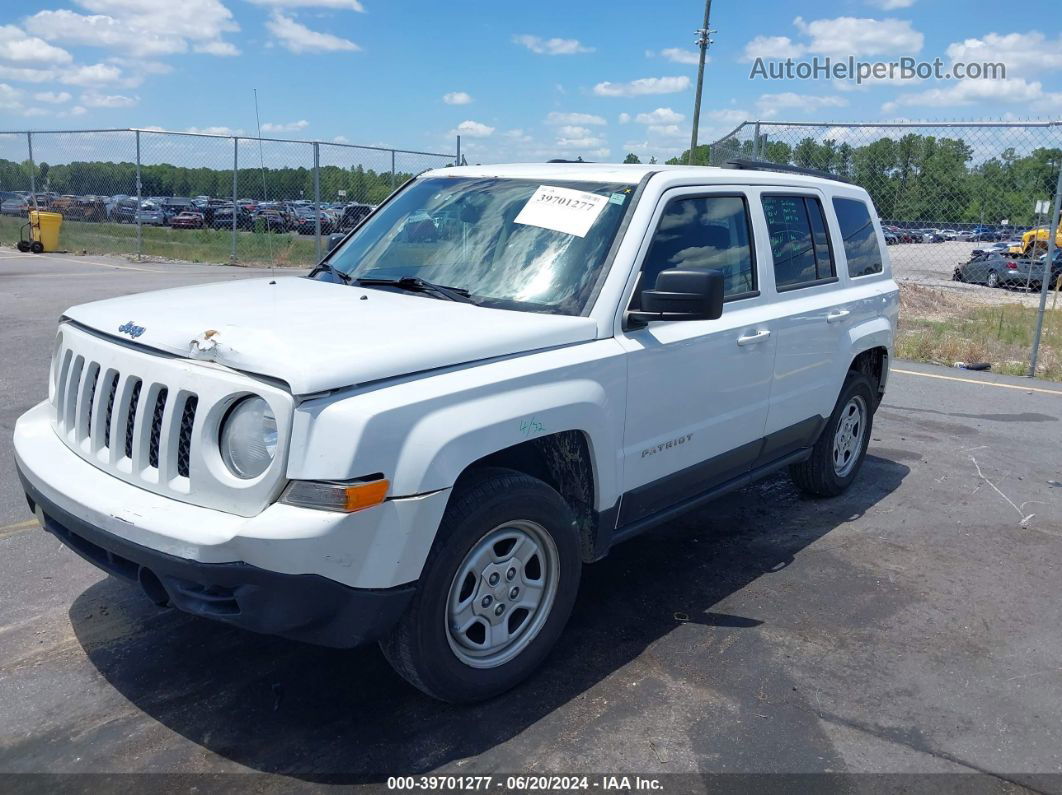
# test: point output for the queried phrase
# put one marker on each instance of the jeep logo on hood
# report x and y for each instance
(131, 329)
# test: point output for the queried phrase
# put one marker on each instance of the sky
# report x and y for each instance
(517, 80)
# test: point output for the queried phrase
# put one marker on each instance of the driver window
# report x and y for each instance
(702, 233)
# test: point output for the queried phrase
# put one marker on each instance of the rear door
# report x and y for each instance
(697, 389)
(811, 316)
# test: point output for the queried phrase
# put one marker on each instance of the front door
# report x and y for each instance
(698, 390)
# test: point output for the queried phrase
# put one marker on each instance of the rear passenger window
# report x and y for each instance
(799, 241)
(702, 233)
(860, 240)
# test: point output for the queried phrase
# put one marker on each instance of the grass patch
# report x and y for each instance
(189, 245)
(945, 329)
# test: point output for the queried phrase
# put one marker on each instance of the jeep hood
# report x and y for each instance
(317, 335)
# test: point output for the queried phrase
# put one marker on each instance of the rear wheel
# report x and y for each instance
(495, 593)
(838, 454)
(993, 279)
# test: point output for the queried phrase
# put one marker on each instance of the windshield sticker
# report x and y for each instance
(617, 198)
(572, 212)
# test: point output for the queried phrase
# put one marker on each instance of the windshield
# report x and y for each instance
(511, 243)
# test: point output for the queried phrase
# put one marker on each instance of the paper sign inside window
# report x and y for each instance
(562, 210)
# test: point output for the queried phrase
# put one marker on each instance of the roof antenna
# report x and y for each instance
(265, 193)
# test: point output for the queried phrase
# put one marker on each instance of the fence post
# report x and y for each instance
(756, 155)
(458, 161)
(392, 169)
(139, 200)
(317, 201)
(235, 171)
(33, 169)
(1045, 278)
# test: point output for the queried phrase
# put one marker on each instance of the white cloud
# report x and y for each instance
(860, 36)
(341, 139)
(473, 129)
(659, 116)
(574, 131)
(1023, 53)
(217, 47)
(282, 127)
(575, 118)
(339, 5)
(772, 48)
(839, 37)
(52, 97)
(457, 98)
(678, 55)
(582, 142)
(1013, 90)
(27, 75)
(624, 118)
(891, 5)
(78, 110)
(93, 99)
(92, 75)
(10, 97)
(298, 38)
(140, 27)
(216, 130)
(666, 130)
(16, 46)
(553, 46)
(646, 85)
(769, 104)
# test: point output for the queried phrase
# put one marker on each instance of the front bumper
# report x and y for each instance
(330, 578)
(303, 607)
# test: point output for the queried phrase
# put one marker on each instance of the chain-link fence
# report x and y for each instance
(197, 197)
(969, 211)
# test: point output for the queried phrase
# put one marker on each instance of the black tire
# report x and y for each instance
(819, 475)
(23, 246)
(993, 280)
(419, 647)
(37, 247)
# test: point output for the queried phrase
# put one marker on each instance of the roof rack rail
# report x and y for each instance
(561, 160)
(763, 165)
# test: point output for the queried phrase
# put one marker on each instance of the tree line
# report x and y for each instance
(916, 177)
(288, 183)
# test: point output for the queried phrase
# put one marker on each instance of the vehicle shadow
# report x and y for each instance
(324, 715)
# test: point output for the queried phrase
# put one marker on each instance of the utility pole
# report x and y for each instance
(702, 41)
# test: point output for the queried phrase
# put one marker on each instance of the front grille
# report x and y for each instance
(101, 411)
(151, 419)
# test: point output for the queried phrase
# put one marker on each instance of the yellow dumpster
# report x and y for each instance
(44, 228)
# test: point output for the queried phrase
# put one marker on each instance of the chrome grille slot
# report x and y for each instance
(112, 390)
(130, 415)
(156, 427)
(184, 441)
(152, 420)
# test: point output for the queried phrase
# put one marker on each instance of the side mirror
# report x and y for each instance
(335, 239)
(683, 295)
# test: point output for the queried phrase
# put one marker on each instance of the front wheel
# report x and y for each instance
(495, 593)
(993, 279)
(838, 454)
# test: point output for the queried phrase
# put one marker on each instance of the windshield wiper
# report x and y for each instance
(324, 266)
(415, 284)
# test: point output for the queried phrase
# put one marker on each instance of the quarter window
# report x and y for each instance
(860, 240)
(703, 233)
(800, 242)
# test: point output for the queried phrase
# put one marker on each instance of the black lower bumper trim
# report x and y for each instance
(304, 607)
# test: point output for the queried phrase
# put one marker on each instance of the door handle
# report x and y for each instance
(840, 314)
(752, 339)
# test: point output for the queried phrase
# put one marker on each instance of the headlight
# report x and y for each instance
(248, 439)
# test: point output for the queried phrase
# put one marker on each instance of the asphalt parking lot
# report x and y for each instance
(910, 626)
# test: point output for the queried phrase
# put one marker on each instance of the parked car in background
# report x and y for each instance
(172, 206)
(222, 218)
(996, 269)
(353, 214)
(149, 214)
(18, 206)
(891, 238)
(189, 219)
(307, 226)
(270, 219)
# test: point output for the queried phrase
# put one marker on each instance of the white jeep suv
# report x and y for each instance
(499, 374)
